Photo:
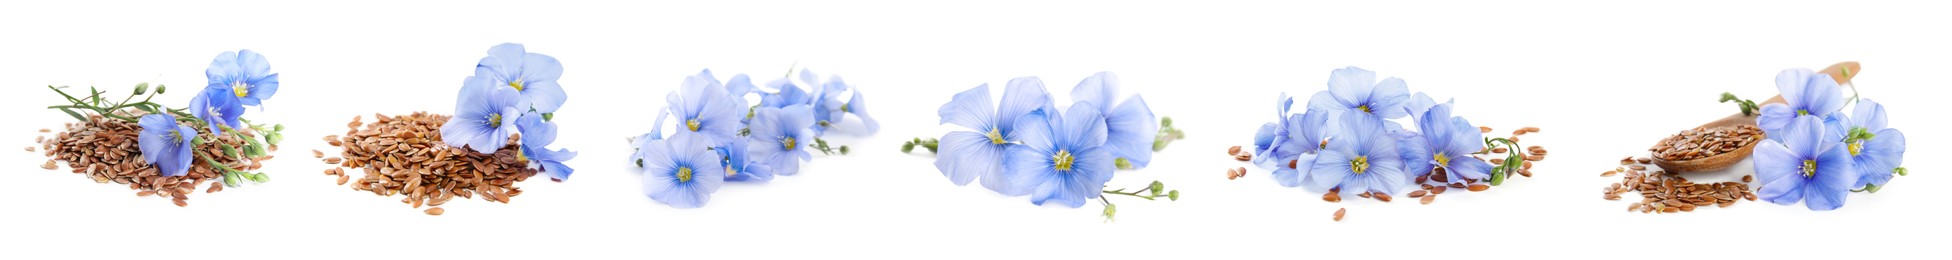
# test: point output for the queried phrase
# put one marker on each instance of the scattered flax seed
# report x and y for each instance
(1484, 129)
(1427, 199)
(1233, 174)
(1664, 192)
(1382, 197)
(49, 165)
(181, 202)
(1438, 190)
(1233, 150)
(1498, 150)
(333, 160)
(1609, 174)
(30, 149)
(1339, 212)
(1479, 187)
(1530, 129)
(317, 154)
(1244, 157)
(1332, 197)
(44, 130)
(435, 211)
(1418, 194)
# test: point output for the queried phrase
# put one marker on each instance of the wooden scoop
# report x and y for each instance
(1842, 72)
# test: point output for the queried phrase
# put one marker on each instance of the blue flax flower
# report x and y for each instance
(484, 116)
(1445, 143)
(827, 105)
(1805, 92)
(1063, 158)
(780, 137)
(1360, 158)
(534, 75)
(536, 137)
(246, 73)
(680, 172)
(1804, 166)
(859, 107)
(1130, 124)
(166, 144)
(703, 107)
(740, 164)
(965, 155)
(1302, 147)
(1271, 139)
(1882, 152)
(219, 108)
(1356, 89)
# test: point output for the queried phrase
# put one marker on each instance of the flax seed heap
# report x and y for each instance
(105, 150)
(405, 156)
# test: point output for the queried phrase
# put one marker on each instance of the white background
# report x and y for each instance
(1604, 80)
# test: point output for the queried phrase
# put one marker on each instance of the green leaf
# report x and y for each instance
(76, 115)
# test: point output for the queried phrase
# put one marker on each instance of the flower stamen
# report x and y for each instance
(1809, 168)
(240, 89)
(996, 136)
(494, 119)
(684, 174)
(517, 84)
(789, 143)
(691, 124)
(1062, 161)
(1360, 164)
(1442, 160)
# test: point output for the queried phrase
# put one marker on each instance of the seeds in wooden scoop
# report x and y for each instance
(1703, 142)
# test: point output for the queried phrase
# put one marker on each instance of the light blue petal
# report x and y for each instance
(1388, 99)
(1329, 170)
(262, 89)
(545, 96)
(1877, 157)
(223, 69)
(1323, 101)
(180, 164)
(1804, 135)
(1027, 170)
(536, 132)
(1021, 97)
(154, 139)
(970, 108)
(1780, 171)
(1792, 83)
(1294, 177)
(1100, 89)
(1773, 118)
(965, 155)
(1086, 180)
(1463, 167)
(1083, 127)
(1131, 130)
(1823, 95)
(1350, 86)
(1386, 175)
(1869, 115)
(859, 106)
(1418, 158)
(1833, 180)
(1039, 130)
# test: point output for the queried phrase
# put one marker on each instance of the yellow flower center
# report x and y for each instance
(996, 136)
(1364, 108)
(1809, 168)
(1441, 159)
(1360, 164)
(494, 119)
(1062, 160)
(691, 124)
(684, 174)
(1855, 147)
(788, 143)
(1802, 112)
(240, 89)
(517, 84)
(843, 108)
